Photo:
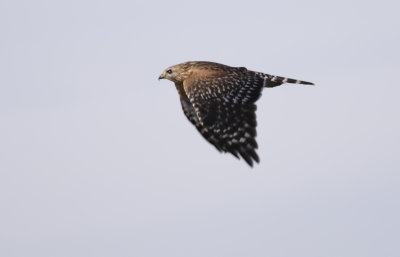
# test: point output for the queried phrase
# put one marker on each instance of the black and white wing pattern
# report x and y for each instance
(191, 115)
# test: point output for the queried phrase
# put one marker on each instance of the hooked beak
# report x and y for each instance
(161, 76)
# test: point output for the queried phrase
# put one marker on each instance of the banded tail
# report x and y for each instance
(273, 81)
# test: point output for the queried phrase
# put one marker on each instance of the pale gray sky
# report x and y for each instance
(97, 158)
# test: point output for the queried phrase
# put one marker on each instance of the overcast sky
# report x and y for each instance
(97, 158)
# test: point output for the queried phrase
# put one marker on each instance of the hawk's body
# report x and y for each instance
(220, 102)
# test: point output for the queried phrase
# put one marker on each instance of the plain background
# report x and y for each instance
(97, 158)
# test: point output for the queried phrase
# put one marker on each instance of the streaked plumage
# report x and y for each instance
(219, 101)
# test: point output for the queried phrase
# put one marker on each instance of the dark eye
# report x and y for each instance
(169, 71)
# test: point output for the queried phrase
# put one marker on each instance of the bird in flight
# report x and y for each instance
(219, 101)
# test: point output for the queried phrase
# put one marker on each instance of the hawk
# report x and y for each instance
(219, 101)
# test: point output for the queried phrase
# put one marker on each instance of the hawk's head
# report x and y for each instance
(176, 73)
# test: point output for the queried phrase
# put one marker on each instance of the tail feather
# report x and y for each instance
(273, 81)
(282, 80)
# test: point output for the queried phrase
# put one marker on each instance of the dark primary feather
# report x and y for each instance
(190, 113)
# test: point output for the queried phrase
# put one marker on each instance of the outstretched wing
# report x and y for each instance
(225, 108)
